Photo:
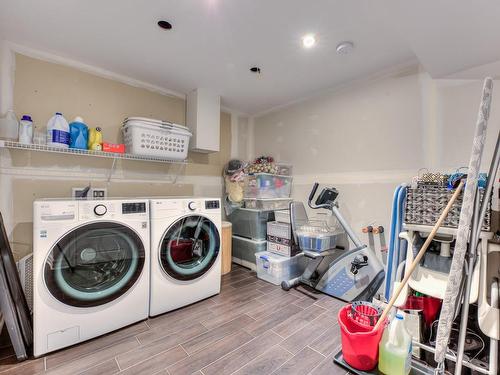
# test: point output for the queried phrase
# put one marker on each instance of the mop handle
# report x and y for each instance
(420, 254)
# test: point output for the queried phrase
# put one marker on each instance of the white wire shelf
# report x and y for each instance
(99, 154)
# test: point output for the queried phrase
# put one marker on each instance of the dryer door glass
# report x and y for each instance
(189, 247)
(94, 264)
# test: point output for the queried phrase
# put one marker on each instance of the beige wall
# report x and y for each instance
(369, 138)
(42, 88)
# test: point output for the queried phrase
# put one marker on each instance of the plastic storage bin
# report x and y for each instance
(156, 138)
(317, 237)
(284, 169)
(250, 223)
(276, 268)
(244, 251)
(267, 204)
(266, 185)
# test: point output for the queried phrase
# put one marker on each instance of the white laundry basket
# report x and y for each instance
(161, 140)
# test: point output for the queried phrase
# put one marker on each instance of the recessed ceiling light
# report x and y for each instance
(165, 25)
(308, 40)
(345, 47)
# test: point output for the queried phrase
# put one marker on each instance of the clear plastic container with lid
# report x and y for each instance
(267, 204)
(318, 236)
(266, 185)
(275, 268)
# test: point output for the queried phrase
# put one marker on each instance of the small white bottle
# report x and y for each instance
(26, 130)
(58, 131)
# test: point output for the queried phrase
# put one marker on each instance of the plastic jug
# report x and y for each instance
(58, 131)
(26, 130)
(95, 139)
(395, 349)
(9, 126)
(79, 134)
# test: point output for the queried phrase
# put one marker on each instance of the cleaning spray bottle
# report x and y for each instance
(394, 356)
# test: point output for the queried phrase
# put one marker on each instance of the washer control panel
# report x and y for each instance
(113, 210)
(212, 205)
(133, 207)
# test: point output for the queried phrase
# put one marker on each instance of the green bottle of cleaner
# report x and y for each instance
(394, 349)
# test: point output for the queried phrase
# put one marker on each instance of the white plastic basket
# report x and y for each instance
(166, 141)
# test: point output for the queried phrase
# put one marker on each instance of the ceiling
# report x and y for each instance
(213, 43)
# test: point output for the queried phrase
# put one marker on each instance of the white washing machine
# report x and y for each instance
(185, 251)
(90, 269)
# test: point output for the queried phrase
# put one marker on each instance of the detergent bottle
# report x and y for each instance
(95, 139)
(394, 356)
(58, 131)
(79, 134)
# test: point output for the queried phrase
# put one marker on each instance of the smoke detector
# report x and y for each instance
(345, 48)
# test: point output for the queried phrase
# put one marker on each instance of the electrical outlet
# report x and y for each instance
(76, 192)
(93, 193)
(98, 193)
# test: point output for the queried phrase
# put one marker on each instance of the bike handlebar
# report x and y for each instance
(313, 192)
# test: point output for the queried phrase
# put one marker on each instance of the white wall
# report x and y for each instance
(458, 108)
(368, 138)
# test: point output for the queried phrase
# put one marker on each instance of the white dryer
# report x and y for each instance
(185, 251)
(90, 269)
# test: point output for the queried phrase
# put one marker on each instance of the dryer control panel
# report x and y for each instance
(133, 207)
(173, 207)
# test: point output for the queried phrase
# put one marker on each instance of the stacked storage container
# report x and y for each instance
(282, 261)
(264, 193)
(249, 234)
(279, 238)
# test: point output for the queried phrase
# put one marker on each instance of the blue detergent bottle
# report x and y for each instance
(79, 134)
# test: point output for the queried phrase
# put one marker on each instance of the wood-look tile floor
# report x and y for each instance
(251, 327)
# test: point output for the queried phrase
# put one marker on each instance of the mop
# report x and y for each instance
(455, 278)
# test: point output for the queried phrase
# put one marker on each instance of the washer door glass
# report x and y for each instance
(189, 247)
(94, 264)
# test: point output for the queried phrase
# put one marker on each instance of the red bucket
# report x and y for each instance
(430, 307)
(359, 343)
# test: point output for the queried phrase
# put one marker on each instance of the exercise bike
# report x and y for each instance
(338, 271)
